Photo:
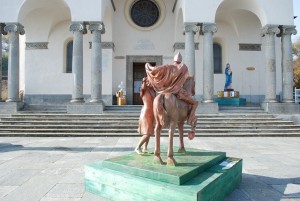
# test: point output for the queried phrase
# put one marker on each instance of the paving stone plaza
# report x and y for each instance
(52, 169)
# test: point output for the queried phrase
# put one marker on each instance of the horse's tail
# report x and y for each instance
(159, 109)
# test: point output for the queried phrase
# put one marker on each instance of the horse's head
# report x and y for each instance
(189, 85)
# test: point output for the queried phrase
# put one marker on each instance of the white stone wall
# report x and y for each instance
(42, 70)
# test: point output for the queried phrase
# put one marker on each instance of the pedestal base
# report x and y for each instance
(231, 101)
(199, 175)
(281, 108)
(10, 107)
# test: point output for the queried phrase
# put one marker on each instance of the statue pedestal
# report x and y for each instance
(230, 98)
(10, 107)
(199, 175)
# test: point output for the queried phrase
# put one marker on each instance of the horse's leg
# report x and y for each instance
(180, 129)
(171, 161)
(192, 133)
(157, 159)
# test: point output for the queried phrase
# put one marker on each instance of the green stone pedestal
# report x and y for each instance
(231, 101)
(198, 175)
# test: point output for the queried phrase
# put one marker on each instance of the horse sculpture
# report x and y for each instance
(169, 111)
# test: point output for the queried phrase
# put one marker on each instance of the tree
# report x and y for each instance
(296, 54)
(4, 63)
(4, 54)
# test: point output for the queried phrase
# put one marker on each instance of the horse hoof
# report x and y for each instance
(158, 160)
(191, 135)
(181, 150)
(171, 162)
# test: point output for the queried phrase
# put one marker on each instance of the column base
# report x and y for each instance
(281, 108)
(77, 100)
(208, 101)
(207, 108)
(96, 101)
(12, 100)
(85, 108)
(288, 101)
(270, 101)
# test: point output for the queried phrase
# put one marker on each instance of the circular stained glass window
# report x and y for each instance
(144, 13)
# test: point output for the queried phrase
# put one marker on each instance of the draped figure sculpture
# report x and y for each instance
(146, 120)
(174, 103)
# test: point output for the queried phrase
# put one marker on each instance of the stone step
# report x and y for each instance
(134, 126)
(164, 134)
(241, 109)
(126, 130)
(123, 121)
(133, 115)
(135, 122)
(44, 108)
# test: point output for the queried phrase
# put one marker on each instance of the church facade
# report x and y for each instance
(66, 51)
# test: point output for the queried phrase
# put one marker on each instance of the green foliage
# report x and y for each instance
(296, 53)
(4, 63)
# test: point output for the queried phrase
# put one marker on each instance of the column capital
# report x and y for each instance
(14, 27)
(270, 29)
(2, 25)
(78, 26)
(191, 27)
(209, 27)
(289, 30)
(97, 26)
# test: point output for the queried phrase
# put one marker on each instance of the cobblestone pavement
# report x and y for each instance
(52, 169)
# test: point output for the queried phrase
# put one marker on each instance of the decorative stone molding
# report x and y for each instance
(105, 45)
(181, 46)
(78, 26)
(97, 26)
(270, 29)
(208, 27)
(188, 27)
(14, 27)
(2, 25)
(288, 30)
(108, 45)
(36, 45)
(249, 47)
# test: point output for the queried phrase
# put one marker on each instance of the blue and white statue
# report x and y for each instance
(228, 75)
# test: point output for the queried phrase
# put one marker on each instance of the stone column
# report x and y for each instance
(287, 63)
(208, 29)
(4, 33)
(190, 29)
(78, 29)
(13, 29)
(268, 32)
(96, 28)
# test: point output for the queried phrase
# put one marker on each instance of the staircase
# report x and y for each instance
(123, 121)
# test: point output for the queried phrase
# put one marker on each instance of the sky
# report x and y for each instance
(297, 20)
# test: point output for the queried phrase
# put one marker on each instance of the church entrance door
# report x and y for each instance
(138, 74)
